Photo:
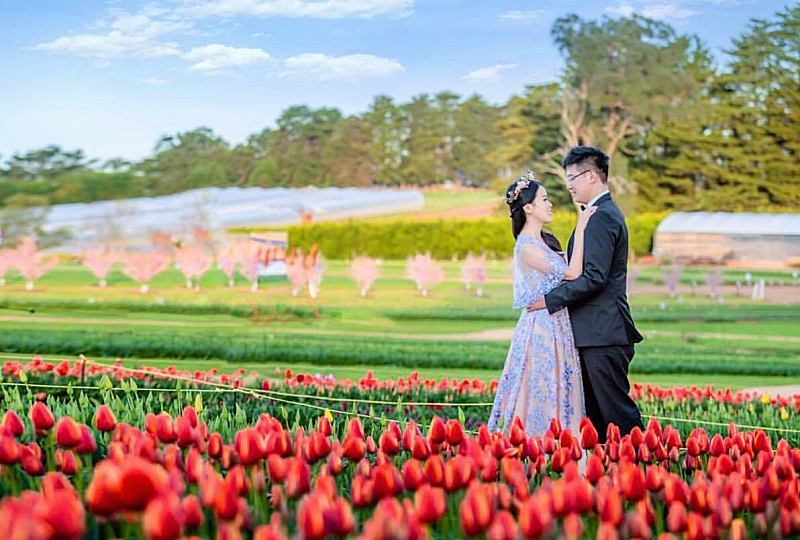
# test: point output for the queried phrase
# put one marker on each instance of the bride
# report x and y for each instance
(541, 379)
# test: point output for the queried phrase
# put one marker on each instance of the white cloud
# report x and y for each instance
(348, 68)
(215, 57)
(325, 9)
(522, 16)
(488, 73)
(663, 11)
(156, 81)
(667, 11)
(129, 35)
(621, 10)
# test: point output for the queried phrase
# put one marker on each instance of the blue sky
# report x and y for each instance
(112, 76)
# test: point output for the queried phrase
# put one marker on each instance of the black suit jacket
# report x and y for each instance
(597, 300)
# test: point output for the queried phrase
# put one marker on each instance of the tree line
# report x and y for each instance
(682, 132)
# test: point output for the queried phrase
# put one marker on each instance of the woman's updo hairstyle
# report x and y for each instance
(522, 192)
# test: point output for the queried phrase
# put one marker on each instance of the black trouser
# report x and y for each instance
(606, 387)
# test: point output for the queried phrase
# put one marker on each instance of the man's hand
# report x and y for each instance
(536, 306)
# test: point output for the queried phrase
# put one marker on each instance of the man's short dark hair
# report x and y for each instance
(588, 155)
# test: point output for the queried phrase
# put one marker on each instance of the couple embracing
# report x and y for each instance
(574, 340)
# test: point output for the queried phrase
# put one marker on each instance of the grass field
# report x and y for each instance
(738, 343)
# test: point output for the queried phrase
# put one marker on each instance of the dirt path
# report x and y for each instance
(786, 391)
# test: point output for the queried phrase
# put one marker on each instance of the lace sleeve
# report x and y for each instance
(536, 272)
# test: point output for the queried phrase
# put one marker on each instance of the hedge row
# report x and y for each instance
(263, 312)
(659, 356)
(444, 239)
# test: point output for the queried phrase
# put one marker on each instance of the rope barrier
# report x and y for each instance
(270, 394)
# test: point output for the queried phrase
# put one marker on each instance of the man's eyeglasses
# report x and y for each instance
(571, 179)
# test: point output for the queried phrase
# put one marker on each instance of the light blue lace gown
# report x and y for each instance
(541, 379)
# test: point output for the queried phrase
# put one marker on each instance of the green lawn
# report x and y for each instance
(695, 329)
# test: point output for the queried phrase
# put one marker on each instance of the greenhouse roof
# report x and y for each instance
(221, 208)
(739, 223)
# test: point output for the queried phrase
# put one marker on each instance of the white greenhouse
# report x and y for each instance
(217, 209)
(718, 237)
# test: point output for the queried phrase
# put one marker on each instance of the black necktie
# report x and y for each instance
(583, 207)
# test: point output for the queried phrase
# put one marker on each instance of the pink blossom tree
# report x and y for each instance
(99, 262)
(364, 272)
(473, 272)
(296, 271)
(425, 272)
(142, 267)
(314, 268)
(193, 262)
(249, 269)
(232, 256)
(31, 262)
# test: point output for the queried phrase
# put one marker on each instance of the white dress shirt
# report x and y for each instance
(594, 200)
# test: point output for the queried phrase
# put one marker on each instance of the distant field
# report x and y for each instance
(691, 340)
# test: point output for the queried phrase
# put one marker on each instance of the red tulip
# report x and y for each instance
(609, 506)
(573, 527)
(354, 447)
(165, 428)
(63, 513)
(41, 417)
(517, 432)
(434, 470)
(324, 426)
(355, 428)
(437, 433)
(68, 432)
(311, 518)
(387, 481)
(594, 469)
(361, 491)
(162, 519)
(476, 509)
(273, 531)
(105, 420)
(535, 516)
(676, 519)
(335, 465)
(389, 443)
(455, 433)
(632, 480)
(654, 478)
(193, 468)
(87, 444)
(12, 424)
(503, 527)
(298, 477)
(192, 511)
(215, 446)
(420, 449)
(67, 462)
(413, 474)
(250, 446)
(9, 450)
(589, 436)
(458, 473)
(430, 504)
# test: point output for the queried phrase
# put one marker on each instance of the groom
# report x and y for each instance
(597, 300)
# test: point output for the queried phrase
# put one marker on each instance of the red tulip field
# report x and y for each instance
(92, 450)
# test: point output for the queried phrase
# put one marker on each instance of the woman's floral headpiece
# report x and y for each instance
(523, 182)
